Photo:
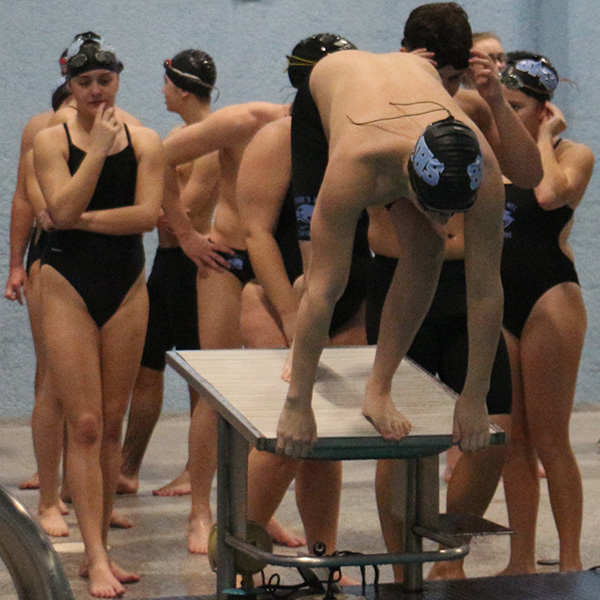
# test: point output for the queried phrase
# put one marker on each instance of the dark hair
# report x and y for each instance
(193, 71)
(442, 28)
(60, 93)
(530, 73)
(309, 51)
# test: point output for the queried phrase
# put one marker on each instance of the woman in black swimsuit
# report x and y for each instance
(102, 182)
(544, 318)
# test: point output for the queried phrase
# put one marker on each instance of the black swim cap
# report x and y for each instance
(446, 167)
(532, 74)
(192, 71)
(87, 54)
(307, 53)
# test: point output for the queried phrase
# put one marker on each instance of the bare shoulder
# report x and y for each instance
(33, 127)
(50, 135)
(144, 139)
(127, 118)
(570, 148)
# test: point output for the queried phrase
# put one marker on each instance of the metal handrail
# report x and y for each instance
(31, 560)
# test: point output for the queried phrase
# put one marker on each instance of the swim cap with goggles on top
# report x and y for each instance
(446, 167)
(87, 53)
(532, 74)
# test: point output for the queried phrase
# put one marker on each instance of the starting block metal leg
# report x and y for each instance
(232, 486)
(422, 510)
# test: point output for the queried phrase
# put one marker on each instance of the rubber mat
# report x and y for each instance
(584, 585)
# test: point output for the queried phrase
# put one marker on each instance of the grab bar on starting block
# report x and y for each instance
(31, 560)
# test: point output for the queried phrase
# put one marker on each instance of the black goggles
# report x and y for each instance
(102, 57)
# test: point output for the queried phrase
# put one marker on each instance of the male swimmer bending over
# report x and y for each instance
(374, 110)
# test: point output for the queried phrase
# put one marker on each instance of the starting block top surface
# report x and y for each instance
(245, 387)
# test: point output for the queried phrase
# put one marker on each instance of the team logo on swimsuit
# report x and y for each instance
(475, 172)
(305, 206)
(426, 166)
(235, 262)
(537, 69)
(508, 219)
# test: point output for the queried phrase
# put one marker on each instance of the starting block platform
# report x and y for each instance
(246, 390)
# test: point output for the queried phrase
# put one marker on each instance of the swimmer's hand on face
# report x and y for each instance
(471, 424)
(104, 131)
(204, 252)
(297, 428)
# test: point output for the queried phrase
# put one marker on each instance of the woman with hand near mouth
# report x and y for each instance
(102, 181)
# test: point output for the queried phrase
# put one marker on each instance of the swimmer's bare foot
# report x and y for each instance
(122, 575)
(180, 486)
(381, 412)
(283, 536)
(198, 533)
(63, 508)
(118, 521)
(119, 572)
(52, 521)
(127, 485)
(33, 483)
(103, 583)
(447, 570)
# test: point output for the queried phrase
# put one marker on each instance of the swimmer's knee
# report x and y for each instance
(86, 430)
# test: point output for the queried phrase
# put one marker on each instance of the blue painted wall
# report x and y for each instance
(248, 40)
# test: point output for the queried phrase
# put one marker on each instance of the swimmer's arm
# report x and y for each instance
(515, 149)
(22, 215)
(142, 216)
(332, 235)
(226, 128)
(483, 248)
(21, 222)
(567, 170)
(68, 196)
(197, 246)
(263, 181)
(34, 195)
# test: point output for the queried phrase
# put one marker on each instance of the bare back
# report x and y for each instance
(382, 79)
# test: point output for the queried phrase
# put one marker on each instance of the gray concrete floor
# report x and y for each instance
(156, 546)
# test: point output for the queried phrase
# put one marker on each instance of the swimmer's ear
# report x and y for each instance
(403, 49)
